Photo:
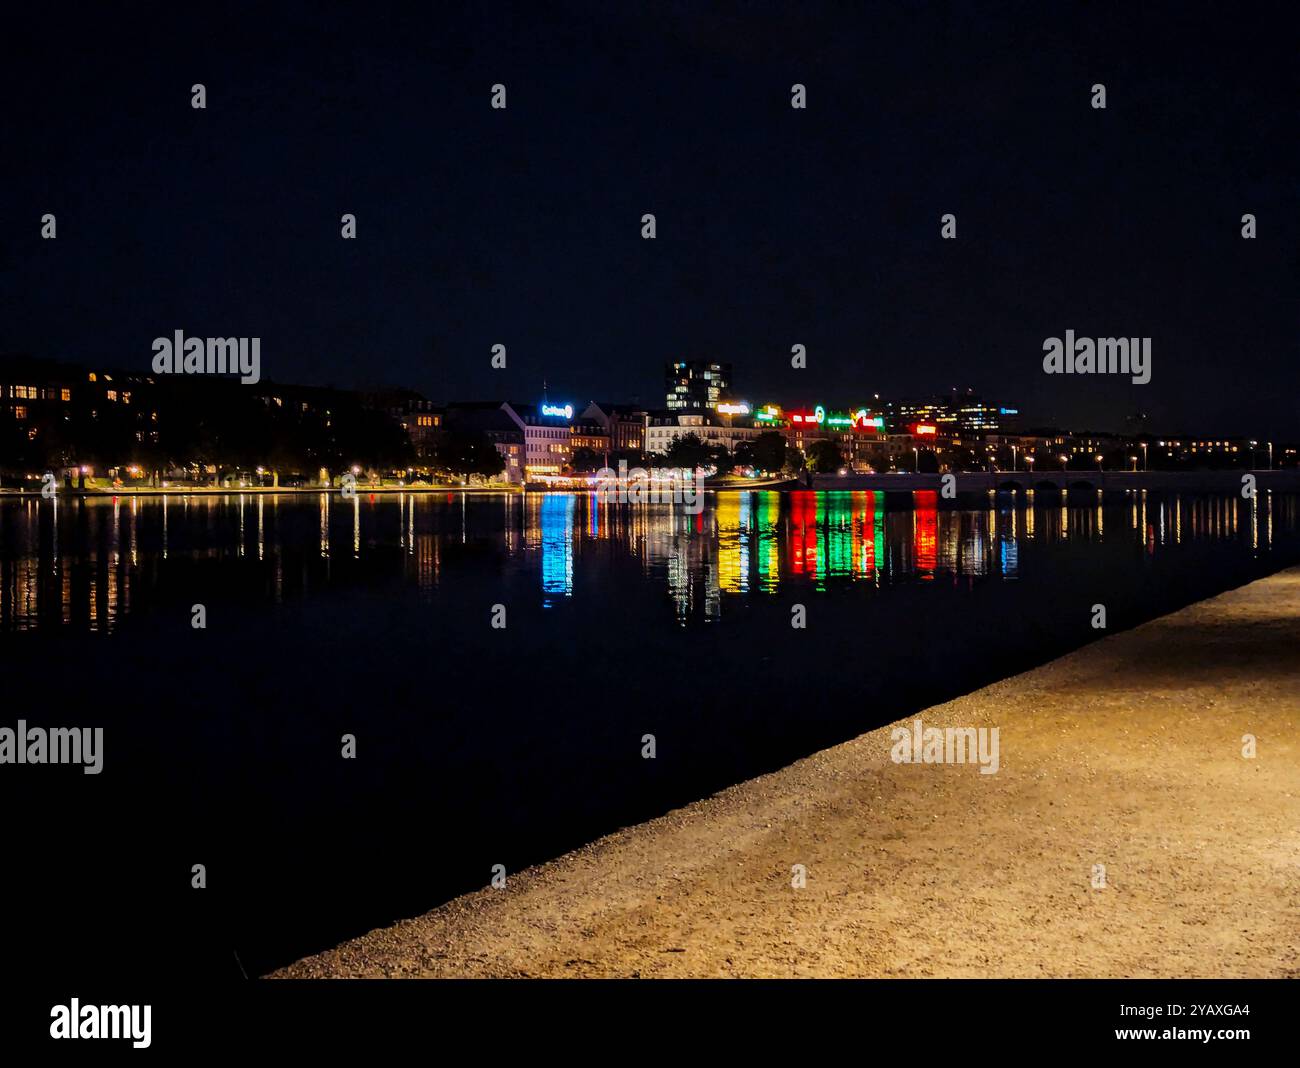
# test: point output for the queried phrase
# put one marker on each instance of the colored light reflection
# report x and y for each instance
(556, 520)
(803, 532)
(925, 531)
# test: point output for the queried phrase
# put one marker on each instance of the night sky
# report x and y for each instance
(775, 226)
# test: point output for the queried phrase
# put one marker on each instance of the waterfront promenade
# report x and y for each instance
(1124, 834)
(966, 482)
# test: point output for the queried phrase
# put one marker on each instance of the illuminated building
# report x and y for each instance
(805, 426)
(960, 411)
(46, 405)
(1187, 451)
(696, 385)
(663, 428)
(501, 429)
(545, 427)
(590, 435)
(624, 425)
(533, 439)
(417, 415)
(36, 395)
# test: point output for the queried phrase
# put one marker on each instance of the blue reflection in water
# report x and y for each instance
(90, 563)
(557, 544)
(1009, 548)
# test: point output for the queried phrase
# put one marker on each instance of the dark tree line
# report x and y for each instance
(216, 424)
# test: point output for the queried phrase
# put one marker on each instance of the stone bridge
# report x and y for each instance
(1054, 481)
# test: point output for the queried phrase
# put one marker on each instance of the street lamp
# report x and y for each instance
(1144, 456)
(1134, 461)
(1013, 457)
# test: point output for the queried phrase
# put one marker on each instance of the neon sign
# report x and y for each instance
(925, 428)
(819, 413)
(768, 414)
(565, 412)
(736, 408)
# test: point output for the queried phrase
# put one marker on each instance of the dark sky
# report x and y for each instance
(775, 226)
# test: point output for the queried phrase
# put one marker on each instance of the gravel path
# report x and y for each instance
(1127, 754)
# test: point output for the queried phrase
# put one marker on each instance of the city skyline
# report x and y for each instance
(649, 491)
(522, 226)
(846, 398)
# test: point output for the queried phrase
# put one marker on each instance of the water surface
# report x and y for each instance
(479, 746)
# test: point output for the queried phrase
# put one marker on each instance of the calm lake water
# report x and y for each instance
(479, 746)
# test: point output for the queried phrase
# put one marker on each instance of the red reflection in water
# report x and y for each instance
(926, 503)
(864, 530)
(803, 540)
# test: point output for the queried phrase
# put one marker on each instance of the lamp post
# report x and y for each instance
(1144, 456)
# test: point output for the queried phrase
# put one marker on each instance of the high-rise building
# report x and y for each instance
(696, 385)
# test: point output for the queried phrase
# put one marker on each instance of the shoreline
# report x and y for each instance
(967, 484)
(1126, 753)
(359, 490)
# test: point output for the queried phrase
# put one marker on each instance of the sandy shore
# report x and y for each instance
(1126, 754)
